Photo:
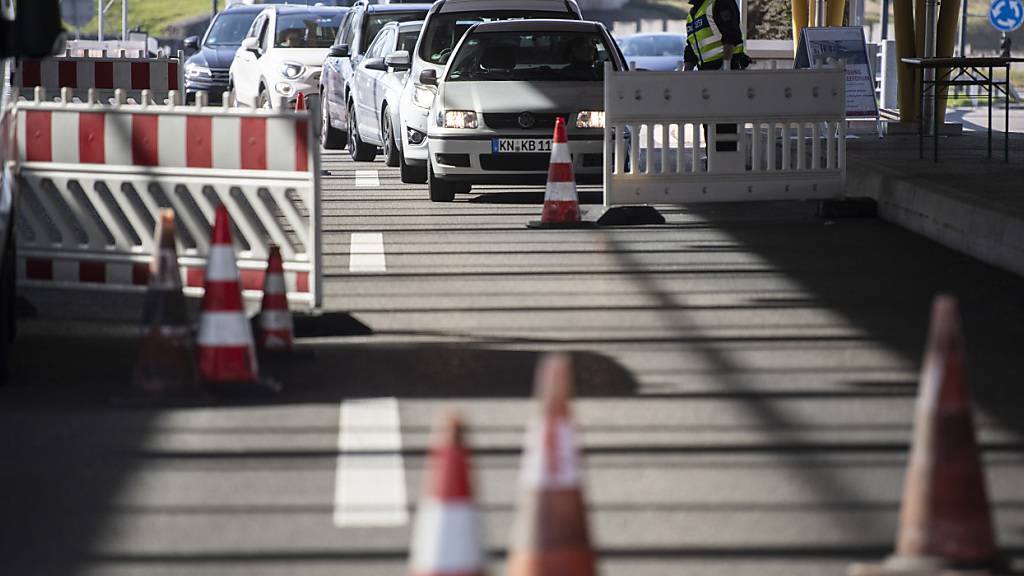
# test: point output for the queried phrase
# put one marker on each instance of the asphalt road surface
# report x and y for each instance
(745, 374)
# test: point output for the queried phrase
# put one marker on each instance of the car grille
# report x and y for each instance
(219, 75)
(502, 120)
(515, 162)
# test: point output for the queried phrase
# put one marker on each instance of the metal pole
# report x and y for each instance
(101, 12)
(744, 6)
(213, 8)
(124, 20)
(929, 52)
(885, 19)
(819, 13)
(962, 42)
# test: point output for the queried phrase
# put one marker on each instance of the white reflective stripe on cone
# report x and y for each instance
(560, 153)
(220, 264)
(224, 329)
(560, 191)
(551, 471)
(446, 539)
(274, 284)
(276, 320)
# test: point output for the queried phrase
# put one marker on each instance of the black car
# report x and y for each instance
(207, 69)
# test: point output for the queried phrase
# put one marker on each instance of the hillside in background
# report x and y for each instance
(152, 16)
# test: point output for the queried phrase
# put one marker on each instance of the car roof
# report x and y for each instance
(530, 25)
(243, 8)
(474, 5)
(650, 34)
(398, 7)
(300, 8)
(402, 26)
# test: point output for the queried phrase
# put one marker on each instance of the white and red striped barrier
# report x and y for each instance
(114, 169)
(105, 75)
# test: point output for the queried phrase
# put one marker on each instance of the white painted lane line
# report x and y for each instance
(367, 252)
(369, 482)
(367, 179)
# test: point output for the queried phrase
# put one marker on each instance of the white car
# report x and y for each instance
(493, 119)
(443, 27)
(377, 85)
(282, 55)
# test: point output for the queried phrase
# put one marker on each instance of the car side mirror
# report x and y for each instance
(375, 64)
(399, 60)
(339, 51)
(251, 45)
(192, 43)
(429, 77)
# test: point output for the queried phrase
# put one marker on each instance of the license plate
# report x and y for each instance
(520, 145)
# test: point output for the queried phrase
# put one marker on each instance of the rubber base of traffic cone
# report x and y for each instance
(582, 224)
(630, 216)
(852, 207)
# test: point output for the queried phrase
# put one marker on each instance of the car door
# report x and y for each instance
(348, 64)
(244, 68)
(369, 80)
(331, 76)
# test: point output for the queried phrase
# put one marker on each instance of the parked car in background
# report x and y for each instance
(377, 85)
(445, 24)
(499, 96)
(355, 34)
(659, 51)
(207, 69)
(282, 54)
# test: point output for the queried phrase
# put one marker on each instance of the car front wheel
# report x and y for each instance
(440, 190)
(359, 150)
(391, 156)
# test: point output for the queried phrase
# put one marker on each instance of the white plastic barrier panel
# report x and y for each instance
(681, 137)
(104, 75)
(94, 178)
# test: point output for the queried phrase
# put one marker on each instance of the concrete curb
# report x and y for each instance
(942, 215)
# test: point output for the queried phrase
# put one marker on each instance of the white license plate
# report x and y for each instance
(520, 145)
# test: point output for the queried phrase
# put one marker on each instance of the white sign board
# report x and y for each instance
(820, 46)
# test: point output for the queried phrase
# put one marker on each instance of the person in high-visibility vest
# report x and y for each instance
(713, 36)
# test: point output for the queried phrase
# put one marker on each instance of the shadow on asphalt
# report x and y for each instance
(585, 197)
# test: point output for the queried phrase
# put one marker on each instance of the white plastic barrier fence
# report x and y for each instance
(93, 180)
(667, 136)
(105, 75)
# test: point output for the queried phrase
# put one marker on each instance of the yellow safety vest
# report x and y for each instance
(703, 34)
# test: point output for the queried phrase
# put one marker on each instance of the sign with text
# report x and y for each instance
(823, 47)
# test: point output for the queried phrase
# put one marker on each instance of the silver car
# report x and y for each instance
(497, 100)
(377, 85)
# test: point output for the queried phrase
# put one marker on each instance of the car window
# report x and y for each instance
(229, 28)
(306, 30)
(445, 30)
(407, 41)
(339, 37)
(256, 28)
(264, 34)
(530, 56)
(348, 32)
(374, 22)
(379, 45)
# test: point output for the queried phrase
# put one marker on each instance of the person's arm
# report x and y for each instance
(727, 18)
(689, 58)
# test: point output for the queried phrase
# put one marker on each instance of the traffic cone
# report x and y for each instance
(226, 352)
(561, 204)
(945, 521)
(550, 536)
(275, 319)
(447, 540)
(166, 366)
(300, 102)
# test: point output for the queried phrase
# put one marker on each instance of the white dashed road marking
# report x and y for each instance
(369, 482)
(367, 179)
(367, 252)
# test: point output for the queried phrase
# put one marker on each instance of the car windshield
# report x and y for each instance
(377, 21)
(445, 30)
(229, 28)
(653, 46)
(306, 30)
(530, 56)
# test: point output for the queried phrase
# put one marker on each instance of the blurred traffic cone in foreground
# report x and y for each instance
(447, 540)
(550, 536)
(300, 102)
(166, 366)
(561, 204)
(945, 521)
(275, 319)
(227, 355)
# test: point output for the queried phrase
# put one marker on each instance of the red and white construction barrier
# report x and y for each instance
(105, 75)
(115, 168)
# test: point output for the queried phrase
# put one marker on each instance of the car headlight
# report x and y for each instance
(193, 70)
(292, 70)
(423, 96)
(458, 119)
(284, 88)
(590, 119)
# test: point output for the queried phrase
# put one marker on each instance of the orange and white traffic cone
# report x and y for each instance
(227, 354)
(945, 520)
(276, 332)
(166, 366)
(447, 540)
(550, 537)
(561, 204)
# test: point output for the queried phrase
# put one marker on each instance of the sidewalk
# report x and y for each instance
(965, 201)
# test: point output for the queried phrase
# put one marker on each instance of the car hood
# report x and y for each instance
(313, 57)
(214, 56)
(522, 96)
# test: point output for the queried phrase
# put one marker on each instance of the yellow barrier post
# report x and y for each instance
(949, 17)
(909, 80)
(799, 21)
